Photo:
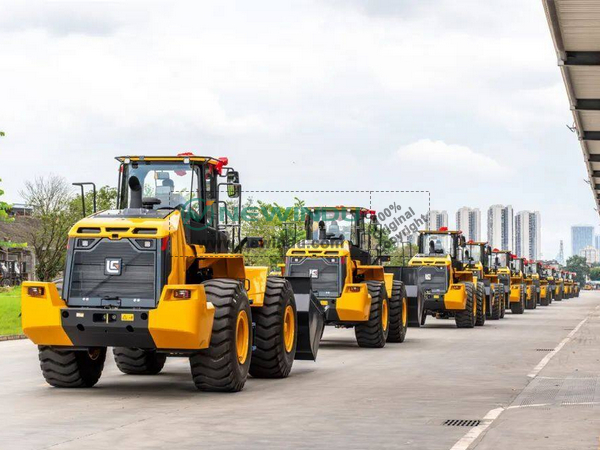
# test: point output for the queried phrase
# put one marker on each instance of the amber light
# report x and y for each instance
(35, 291)
(183, 294)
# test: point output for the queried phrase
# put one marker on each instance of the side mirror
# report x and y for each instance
(233, 188)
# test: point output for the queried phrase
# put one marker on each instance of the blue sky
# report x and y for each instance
(463, 99)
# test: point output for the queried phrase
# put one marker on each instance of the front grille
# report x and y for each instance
(90, 283)
(433, 279)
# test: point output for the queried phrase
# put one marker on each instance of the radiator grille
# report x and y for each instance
(137, 279)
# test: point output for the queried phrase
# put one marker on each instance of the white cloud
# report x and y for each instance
(438, 157)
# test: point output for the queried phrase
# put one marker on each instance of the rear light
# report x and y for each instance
(354, 288)
(164, 243)
(35, 291)
(184, 294)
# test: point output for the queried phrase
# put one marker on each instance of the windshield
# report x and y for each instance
(499, 259)
(518, 265)
(473, 251)
(333, 225)
(170, 183)
(533, 268)
(437, 244)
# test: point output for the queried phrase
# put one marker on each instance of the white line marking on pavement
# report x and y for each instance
(551, 355)
(475, 432)
(465, 442)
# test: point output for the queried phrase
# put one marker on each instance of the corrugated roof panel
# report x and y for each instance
(590, 120)
(593, 146)
(586, 81)
(580, 24)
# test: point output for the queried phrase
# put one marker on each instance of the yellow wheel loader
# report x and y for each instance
(488, 284)
(500, 268)
(532, 281)
(348, 281)
(559, 293)
(518, 287)
(549, 276)
(569, 285)
(446, 280)
(162, 276)
(545, 294)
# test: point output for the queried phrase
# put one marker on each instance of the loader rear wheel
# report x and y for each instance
(275, 333)
(480, 299)
(72, 368)
(506, 299)
(374, 332)
(134, 361)
(530, 300)
(519, 308)
(224, 365)
(398, 313)
(497, 294)
(466, 318)
(559, 296)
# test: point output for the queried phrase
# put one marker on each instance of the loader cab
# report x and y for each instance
(499, 259)
(333, 226)
(442, 243)
(517, 266)
(156, 186)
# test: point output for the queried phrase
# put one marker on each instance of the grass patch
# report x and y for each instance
(10, 310)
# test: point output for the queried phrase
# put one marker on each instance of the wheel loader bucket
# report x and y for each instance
(311, 318)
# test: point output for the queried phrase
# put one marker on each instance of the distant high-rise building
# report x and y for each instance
(561, 254)
(591, 254)
(468, 220)
(581, 236)
(597, 241)
(438, 219)
(528, 234)
(500, 227)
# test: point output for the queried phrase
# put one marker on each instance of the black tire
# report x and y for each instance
(134, 361)
(480, 299)
(506, 299)
(497, 298)
(519, 308)
(398, 313)
(530, 302)
(466, 318)
(70, 368)
(270, 358)
(373, 333)
(218, 368)
(545, 300)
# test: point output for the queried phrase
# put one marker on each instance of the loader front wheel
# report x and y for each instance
(72, 368)
(134, 361)
(497, 294)
(398, 313)
(275, 334)
(224, 365)
(466, 318)
(480, 298)
(374, 332)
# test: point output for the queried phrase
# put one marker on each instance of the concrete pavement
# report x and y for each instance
(399, 396)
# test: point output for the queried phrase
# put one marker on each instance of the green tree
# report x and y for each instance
(50, 198)
(106, 198)
(280, 227)
(595, 273)
(579, 265)
(4, 208)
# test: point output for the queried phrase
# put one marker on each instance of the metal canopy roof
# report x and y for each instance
(575, 29)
